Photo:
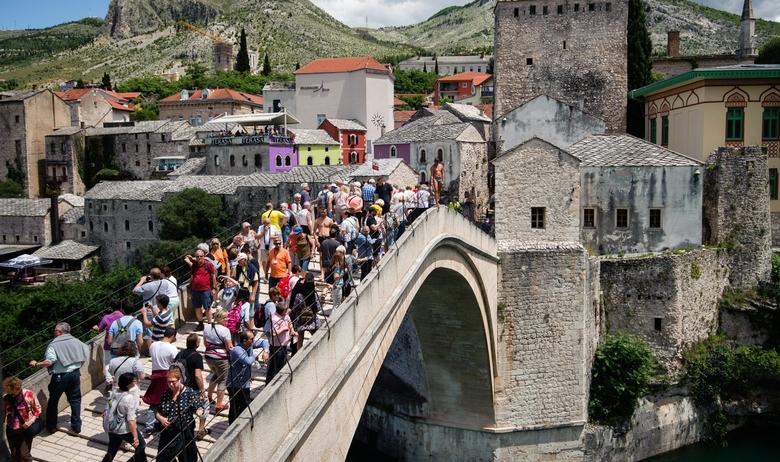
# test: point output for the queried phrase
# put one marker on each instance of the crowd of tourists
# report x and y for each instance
(316, 247)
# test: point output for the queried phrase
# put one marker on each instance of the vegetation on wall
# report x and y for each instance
(623, 369)
(13, 185)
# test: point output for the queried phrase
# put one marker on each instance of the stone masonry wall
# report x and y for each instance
(473, 177)
(537, 174)
(542, 335)
(736, 212)
(578, 57)
(670, 300)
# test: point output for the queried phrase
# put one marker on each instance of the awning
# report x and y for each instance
(259, 118)
(25, 261)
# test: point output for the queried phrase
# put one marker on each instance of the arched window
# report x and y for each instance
(393, 151)
(127, 225)
(232, 160)
(286, 161)
(258, 161)
(216, 161)
(151, 225)
(278, 161)
(440, 154)
(327, 160)
(422, 156)
(352, 139)
(309, 161)
(422, 177)
(770, 119)
(105, 226)
(244, 162)
(353, 157)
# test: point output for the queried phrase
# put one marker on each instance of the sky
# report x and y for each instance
(19, 14)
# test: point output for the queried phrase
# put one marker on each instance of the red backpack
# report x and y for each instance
(233, 320)
(284, 287)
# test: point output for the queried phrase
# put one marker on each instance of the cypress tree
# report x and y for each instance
(436, 65)
(106, 82)
(425, 67)
(639, 65)
(297, 66)
(266, 66)
(242, 59)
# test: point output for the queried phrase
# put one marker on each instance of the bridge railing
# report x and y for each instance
(319, 369)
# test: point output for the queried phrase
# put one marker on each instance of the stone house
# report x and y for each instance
(26, 117)
(612, 193)
(315, 147)
(696, 112)
(353, 138)
(352, 88)
(279, 97)
(65, 159)
(200, 106)
(92, 107)
(443, 136)
(464, 88)
(394, 171)
(573, 52)
(448, 64)
(67, 255)
(29, 221)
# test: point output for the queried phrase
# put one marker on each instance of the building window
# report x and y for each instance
(544, 10)
(621, 218)
(136, 148)
(258, 161)
(560, 9)
(286, 161)
(516, 13)
(589, 218)
(440, 155)
(771, 123)
(148, 147)
(309, 161)
(16, 119)
(84, 233)
(653, 134)
(422, 177)
(529, 61)
(18, 147)
(125, 206)
(127, 225)
(327, 149)
(422, 156)
(576, 7)
(327, 160)
(278, 161)
(773, 184)
(138, 163)
(35, 238)
(735, 119)
(105, 207)
(564, 44)
(308, 148)
(105, 227)
(665, 130)
(127, 244)
(393, 151)
(162, 137)
(147, 136)
(17, 238)
(657, 324)
(149, 207)
(232, 160)
(655, 218)
(216, 161)
(537, 217)
(591, 7)
(352, 139)
(321, 118)
(532, 10)
(150, 225)
(353, 157)
(244, 161)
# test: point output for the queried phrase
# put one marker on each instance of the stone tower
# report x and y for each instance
(747, 31)
(223, 56)
(572, 51)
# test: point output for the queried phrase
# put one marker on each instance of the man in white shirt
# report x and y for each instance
(265, 236)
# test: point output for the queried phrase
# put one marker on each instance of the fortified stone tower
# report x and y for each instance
(572, 51)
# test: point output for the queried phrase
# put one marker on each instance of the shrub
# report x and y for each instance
(622, 371)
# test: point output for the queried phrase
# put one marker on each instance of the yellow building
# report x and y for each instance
(315, 147)
(696, 112)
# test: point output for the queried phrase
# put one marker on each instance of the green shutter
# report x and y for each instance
(735, 118)
(773, 184)
(771, 123)
(665, 131)
(653, 137)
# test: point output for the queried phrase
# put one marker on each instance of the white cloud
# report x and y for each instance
(384, 12)
(766, 9)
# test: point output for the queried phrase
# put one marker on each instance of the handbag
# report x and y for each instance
(33, 429)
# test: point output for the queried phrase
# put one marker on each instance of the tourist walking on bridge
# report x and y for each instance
(203, 284)
(218, 346)
(240, 376)
(64, 357)
(122, 425)
(22, 419)
(280, 330)
(175, 413)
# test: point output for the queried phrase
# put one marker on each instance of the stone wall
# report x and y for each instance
(472, 179)
(121, 227)
(748, 325)
(578, 57)
(661, 423)
(68, 149)
(736, 212)
(670, 300)
(537, 174)
(544, 337)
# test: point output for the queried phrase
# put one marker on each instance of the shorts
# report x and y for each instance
(148, 333)
(201, 299)
(219, 372)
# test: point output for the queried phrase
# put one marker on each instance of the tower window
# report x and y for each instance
(655, 218)
(621, 218)
(517, 12)
(545, 10)
(591, 7)
(560, 9)
(657, 324)
(532, 10)
(576, 7)
(529, 61)
(564, 44)
(537, 217)
(589, 218)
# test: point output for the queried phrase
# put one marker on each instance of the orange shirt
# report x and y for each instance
(279, 261)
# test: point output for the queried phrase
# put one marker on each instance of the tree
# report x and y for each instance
(639, 64)
(770, 52)
(425, 67)
(242, 59)
(79, 83)
(191, 213)
(297, 66)
(105, 84)
(146, 110)
(266, 65)
(436, 65)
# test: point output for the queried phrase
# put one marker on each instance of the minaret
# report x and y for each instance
(747, 30)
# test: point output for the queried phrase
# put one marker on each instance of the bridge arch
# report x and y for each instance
(313, 414)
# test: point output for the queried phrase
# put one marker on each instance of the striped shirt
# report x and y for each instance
(162, 320)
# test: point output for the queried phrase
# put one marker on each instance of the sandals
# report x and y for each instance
(218, 409)
(202, 434)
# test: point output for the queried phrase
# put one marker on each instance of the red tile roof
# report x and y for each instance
(222, 94)
(398, 102)
(119, 106)
(324, 65)
(129, 95)
(487, 109)
(74, 94)
(401, 117)
(477, 78)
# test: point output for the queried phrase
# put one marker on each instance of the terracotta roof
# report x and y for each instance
(401, 117)
(119, 106)
(217, 94)
(128, 95)
(324, 65)
(477, 78)
(74, 94)
(398, 102)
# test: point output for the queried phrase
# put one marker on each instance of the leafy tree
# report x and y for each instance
(105, 83)
(10, 188)
(622, 370)
(79, 83)
(242, 58)
(414, 81)
(639, 63)
(146, 110)
(413, 102)
(150, 86)
(191, 212)
(266, 65)
(162, 253)
(770, 52)
(15, 171)
(195, 76)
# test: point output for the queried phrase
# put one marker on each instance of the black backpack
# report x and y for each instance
(180, 362)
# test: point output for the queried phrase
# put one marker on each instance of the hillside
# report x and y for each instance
(140, 37)
(28, 44)
(704, 30)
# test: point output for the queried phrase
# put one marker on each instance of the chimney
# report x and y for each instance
(673, 43)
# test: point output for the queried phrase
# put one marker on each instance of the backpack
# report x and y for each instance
(233, 320)
(322, 199)
(284, 287)
(122, 336)
(260, 317)
(351, 227)
(111, 419)
(180, 363)
(292, 220)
